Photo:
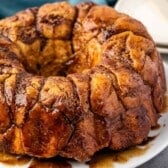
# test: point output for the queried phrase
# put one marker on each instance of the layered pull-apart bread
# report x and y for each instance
(75, 80)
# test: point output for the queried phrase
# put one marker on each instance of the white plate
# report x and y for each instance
(152, 13)
(155, 146)
(163, 50)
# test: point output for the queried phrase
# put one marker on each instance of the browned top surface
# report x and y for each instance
(74, 80)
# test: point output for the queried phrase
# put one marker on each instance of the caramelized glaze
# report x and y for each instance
(50, 163)
(13, 159)
(148, 140)
(103, 159)
(156, 127)
(107, 159)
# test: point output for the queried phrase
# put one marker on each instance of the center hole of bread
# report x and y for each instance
(46, 57)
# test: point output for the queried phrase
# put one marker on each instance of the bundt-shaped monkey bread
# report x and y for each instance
(74, 80)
